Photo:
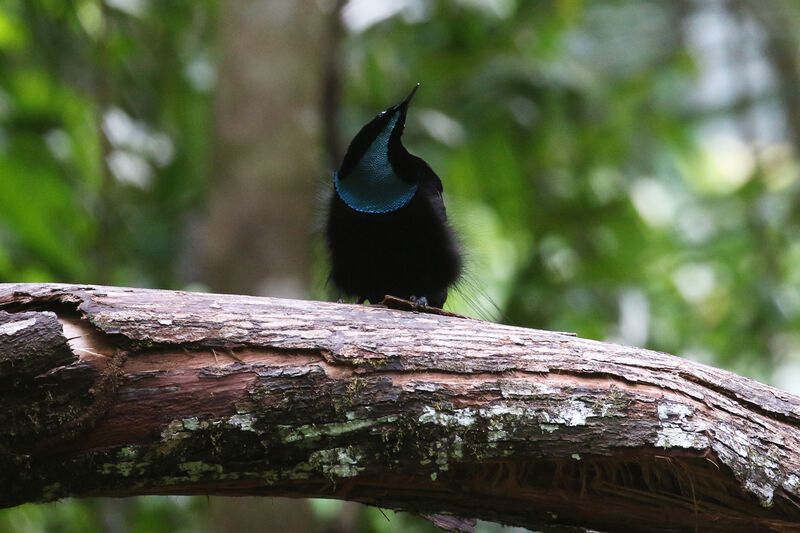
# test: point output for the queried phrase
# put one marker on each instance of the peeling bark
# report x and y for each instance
(112, 391)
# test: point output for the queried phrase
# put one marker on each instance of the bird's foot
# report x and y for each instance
(393, 302)
(418, 302)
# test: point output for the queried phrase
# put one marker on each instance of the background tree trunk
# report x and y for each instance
(266, 165)
(118, 391)
(266, 155)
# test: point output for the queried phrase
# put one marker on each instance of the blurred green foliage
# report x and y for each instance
(104, 136)
(613, 168)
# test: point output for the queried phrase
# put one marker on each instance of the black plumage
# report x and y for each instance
(387, 229)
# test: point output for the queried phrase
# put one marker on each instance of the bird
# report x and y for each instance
(386, 229)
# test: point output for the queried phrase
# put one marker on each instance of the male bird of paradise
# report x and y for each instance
(387, 230)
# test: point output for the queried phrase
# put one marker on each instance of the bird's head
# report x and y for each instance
(371, 178)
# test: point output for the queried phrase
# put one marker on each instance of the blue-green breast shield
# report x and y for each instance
(372, 186)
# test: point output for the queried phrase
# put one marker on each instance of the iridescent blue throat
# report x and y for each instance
(372, 186)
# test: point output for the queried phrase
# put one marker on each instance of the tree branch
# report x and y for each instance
(110, 391)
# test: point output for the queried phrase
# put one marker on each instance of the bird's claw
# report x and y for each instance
(422, 301)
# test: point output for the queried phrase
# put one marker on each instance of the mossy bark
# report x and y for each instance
(116, 391)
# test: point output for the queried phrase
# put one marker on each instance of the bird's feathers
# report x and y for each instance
(387, 229)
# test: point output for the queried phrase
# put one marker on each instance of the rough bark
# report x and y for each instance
(118, 391)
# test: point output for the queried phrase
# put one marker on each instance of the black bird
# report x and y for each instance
(387, 229)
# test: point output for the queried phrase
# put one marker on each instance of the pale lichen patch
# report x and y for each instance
(122, 468)
(125, 464)
(181, 429)
(128, 453)
(338, 462)
(243, 421)
(315, 432)
(672, 410)
(504, 418)
(501, 418)
(174, 430)
(195, 469)
(191, 423)
(671, 436)
(731, 438)
(765, 492)
(498, 410)
(458, 417)
(676, 429)
(10, 328)
(762, 473)
(571, 413)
